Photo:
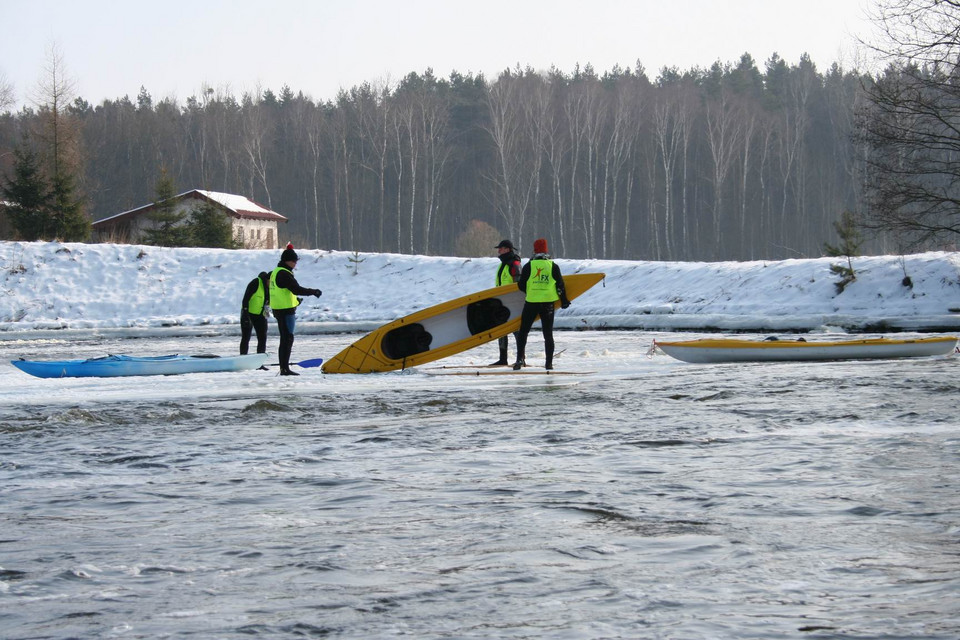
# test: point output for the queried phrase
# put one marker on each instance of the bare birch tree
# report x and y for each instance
(400, 135)
(670, 117)
(595, 132)
(317, 136)
(257, 128)
(413, 137)
(502, 103)
(6, 93)
(537, 127)
(556, 150)
(626, 124)
(375, 125)
(576, 109)
(517, 103)
(434, 120)
(724, 128)
(751, 116)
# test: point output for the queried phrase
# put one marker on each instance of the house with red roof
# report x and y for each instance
(254, 226)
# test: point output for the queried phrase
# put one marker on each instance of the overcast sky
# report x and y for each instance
(172, 48)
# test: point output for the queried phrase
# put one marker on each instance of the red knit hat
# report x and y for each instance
(540, 245)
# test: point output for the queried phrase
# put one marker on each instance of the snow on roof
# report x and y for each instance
(237, 204)
(240, 206)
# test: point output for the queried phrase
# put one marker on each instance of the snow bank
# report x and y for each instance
(103, 286)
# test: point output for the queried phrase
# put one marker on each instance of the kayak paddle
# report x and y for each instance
(306, 364)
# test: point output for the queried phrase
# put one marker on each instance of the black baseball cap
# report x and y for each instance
(504, 244)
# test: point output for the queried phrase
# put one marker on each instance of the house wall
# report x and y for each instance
(255, 234)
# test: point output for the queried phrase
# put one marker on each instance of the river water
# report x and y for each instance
(645, 498)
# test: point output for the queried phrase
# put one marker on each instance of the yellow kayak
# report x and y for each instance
(444, 329)
(729, 350)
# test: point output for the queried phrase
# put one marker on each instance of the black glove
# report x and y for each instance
(564, 303)
(317, 293)
(244, 314)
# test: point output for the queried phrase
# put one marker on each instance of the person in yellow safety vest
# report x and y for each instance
(253, 313)
(284, 290)
(542, 282)
(507, 273)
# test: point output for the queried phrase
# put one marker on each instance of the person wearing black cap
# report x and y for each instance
(284, 290)
(253, 313)
(542, 282)
(507, 273)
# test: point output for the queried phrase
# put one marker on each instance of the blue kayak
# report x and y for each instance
(120, 365)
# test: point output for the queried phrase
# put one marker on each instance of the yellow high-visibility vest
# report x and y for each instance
(503, 274)
(281, 298)
(255, 306)
(541, 287)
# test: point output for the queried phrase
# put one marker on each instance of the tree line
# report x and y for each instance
(729, 162)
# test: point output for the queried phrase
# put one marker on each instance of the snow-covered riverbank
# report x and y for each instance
(66, 286)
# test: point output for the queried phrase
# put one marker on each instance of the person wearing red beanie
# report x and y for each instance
(542, 283)
(284, 290)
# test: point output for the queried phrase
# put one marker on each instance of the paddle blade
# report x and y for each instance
(309, 364)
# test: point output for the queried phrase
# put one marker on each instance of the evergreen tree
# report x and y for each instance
(850, 241)
(58, 138)
(28, 197)
(210, 227)
(70, 223)
(850, 237)
(168, 228)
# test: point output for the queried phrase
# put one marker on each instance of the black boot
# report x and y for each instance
(288, 372)
(502, 362)
(519, 364)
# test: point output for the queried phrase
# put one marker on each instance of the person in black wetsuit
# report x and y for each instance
(542, 282)
(507, 273)
(284, 290)
(253, 313)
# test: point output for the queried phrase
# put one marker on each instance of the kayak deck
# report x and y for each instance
(719, 350)
(444, 329)
(122, 365)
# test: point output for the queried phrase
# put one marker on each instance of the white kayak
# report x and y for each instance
(712, 350)
(121, 365)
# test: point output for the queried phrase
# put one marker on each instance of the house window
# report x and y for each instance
(270, 239)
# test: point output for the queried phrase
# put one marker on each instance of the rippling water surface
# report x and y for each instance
(650, 499)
